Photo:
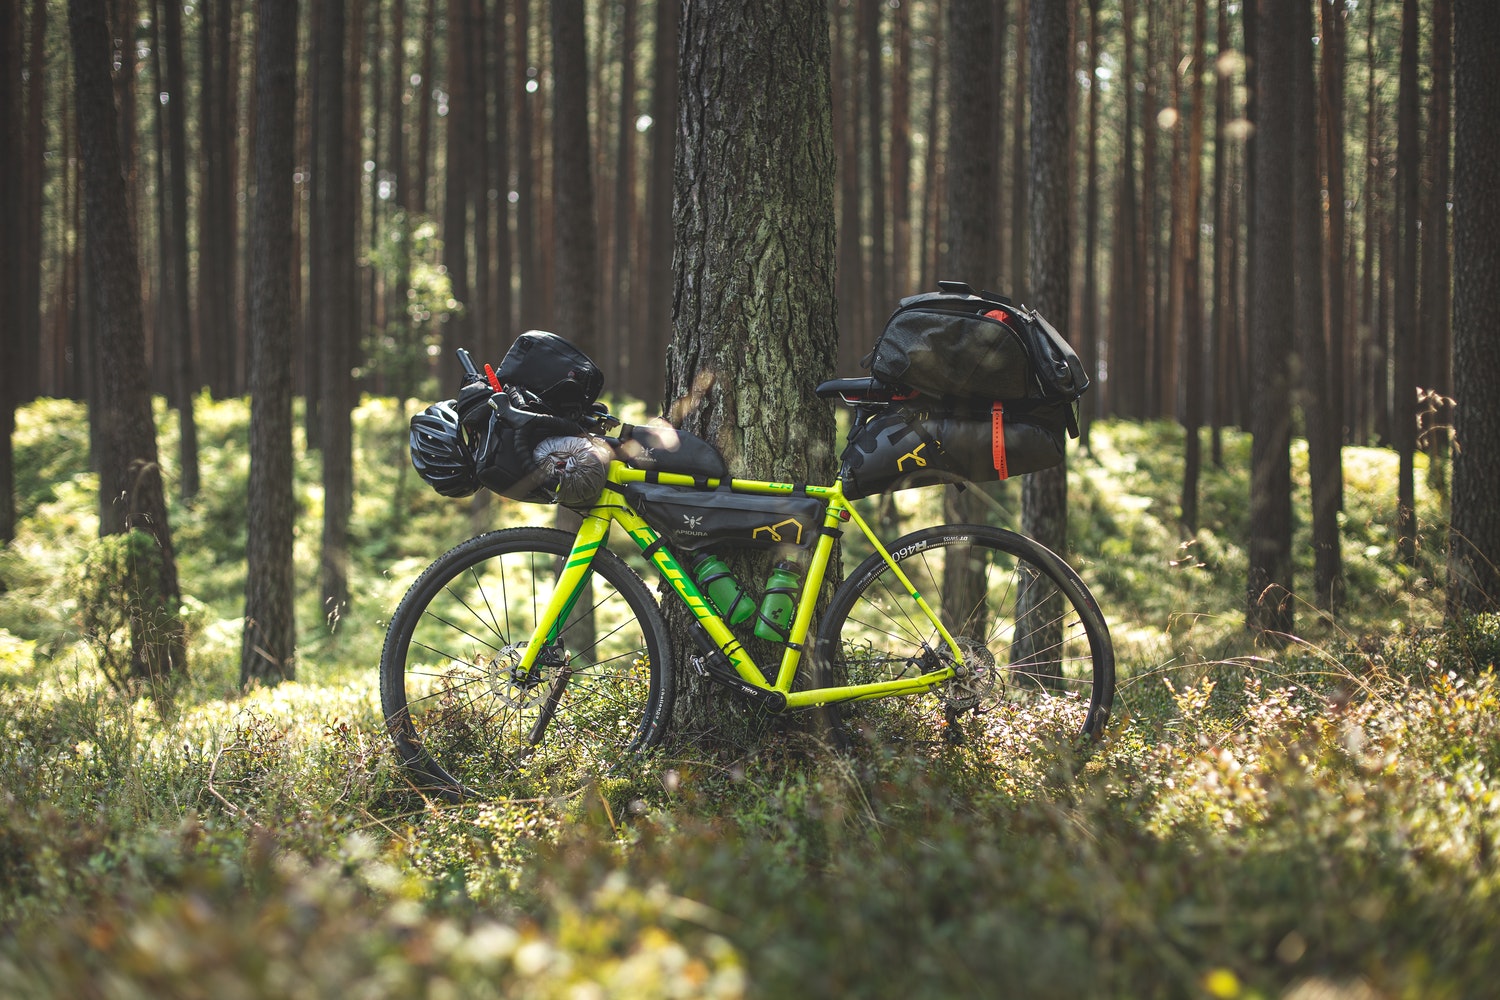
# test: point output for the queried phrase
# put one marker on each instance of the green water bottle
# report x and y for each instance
(774, 622)
(723, 590)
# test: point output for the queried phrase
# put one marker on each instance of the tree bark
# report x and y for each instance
(1269, 591)
(1193, 332)
(1089, 407)
(1407, 333)
(336, 306)
(11, 193)
(178, 300)
(1474, 537)
(576, 244)
(130, 485)
(268, 652)
(1320, 420)
(657, 331)
(754, 312)
(1044, 497)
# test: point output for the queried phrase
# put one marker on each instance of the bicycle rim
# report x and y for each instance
(467, 724)
(1033, 639)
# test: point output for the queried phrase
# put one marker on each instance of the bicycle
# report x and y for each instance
(530, 636)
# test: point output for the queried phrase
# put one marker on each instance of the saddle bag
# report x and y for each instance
(691, 519)
(958, 344)
(906, 448)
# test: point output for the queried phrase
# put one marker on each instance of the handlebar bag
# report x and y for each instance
(505, 450)
(967, 345)
(906, 448)
(565, 379)
(692, 519)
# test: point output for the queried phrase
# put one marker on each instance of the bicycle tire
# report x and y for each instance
(462, 724)
(1036, 635)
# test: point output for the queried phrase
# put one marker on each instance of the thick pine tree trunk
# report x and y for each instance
(754, 312)
(1474, 539)
(130, 485)
(269, 647)
(1269, 590)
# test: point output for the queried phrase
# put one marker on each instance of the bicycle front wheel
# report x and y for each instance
(1032, 637)
(467, 723)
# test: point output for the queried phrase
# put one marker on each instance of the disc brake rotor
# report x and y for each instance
(506, 685)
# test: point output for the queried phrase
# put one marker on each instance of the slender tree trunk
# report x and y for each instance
(528, 218)
(130, 485)
(336, 307)
(854, 334)
(1437, 329)
(1474, 537)
(933, 171)
(1321, 422)
(1089, 407)
(11, 192)
(30, 367)
(424, 98)
(1126, 364)
(1020, 271)
(1269, 592)
(504, 331)
(621, 344)
(1219, 292)
(901, 153)
(175, 281)
(1193, 333)
(1404, 388)
(1331, 54)
(577, 236)
(658, 262)
(268, 652)
(879, 286)
(1044, 496)
(754, 305)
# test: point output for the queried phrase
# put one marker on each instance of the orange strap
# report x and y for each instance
(997, 441)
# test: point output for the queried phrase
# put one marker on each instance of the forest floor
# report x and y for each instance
(1318, 820)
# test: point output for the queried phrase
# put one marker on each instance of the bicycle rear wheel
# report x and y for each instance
(1032, 636)
(467, 724)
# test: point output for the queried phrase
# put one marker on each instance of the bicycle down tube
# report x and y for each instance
(611, 507)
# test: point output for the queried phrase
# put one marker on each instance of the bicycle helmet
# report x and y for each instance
(439, 452)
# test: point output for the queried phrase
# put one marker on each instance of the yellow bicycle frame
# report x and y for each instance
(612, 508)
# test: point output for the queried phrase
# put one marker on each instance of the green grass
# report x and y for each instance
(1314, 821)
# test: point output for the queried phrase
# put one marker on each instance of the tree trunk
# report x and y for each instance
(1193, 332)
(11, 193)
(1126, 363)
(532, 302)
(1018, 141)
(29, 364)
(456, 180)
(624, 289)
(1089, 407)
(1474, 537)
(754, 310)
(417, 201)
(901, 154)
(1331, 53)
(336, 306)
(1044, 498)
(1219, 288)
(1437, 329)
(576, 245)
(972, 213)
(177, 305)
(1321, 422)
(878, 291)
(268, 652)
(130, 485)
(1404, 385)
(1269, 590)
(853, 331)
(658, 263)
